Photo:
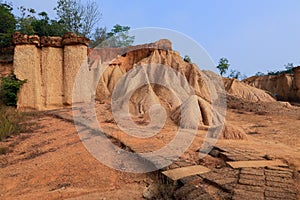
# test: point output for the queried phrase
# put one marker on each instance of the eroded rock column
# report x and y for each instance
(75, 55)
(27, 66)
(52, 71)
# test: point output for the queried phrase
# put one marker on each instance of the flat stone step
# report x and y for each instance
(179, 173)
(256, 163)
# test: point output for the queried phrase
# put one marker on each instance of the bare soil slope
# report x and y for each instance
(50, 162)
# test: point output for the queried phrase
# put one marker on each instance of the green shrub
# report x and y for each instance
(187, 59)
(9, 89)
(10, 121)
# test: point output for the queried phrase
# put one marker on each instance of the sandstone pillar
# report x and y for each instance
(75, 54)
(52, 71)
(27, 67)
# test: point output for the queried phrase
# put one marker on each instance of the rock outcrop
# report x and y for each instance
(242, 90)
(297, 82)
(50, 65)
(285, 87)
(20, 39)
(155, 74)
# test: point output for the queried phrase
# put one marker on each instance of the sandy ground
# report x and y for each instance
(52, 163)
(49, 161)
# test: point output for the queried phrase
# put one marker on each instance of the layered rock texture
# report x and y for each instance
(285, 87)
(150, 82)
(49, 64)
(138, 78)
(243, 91)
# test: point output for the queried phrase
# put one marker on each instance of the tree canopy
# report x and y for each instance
(73, 16)
(7, 24)
(78, 18)
(223, 65)
(117, 37)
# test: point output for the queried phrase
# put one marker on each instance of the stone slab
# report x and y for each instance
(179, 173)
(255, 163)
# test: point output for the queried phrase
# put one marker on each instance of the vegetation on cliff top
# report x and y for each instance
(288, 70)
(223, 67)
(72, 16)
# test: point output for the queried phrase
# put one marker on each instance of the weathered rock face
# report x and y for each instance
(74, 56)
(27, 67)
(49, 64)
(242, 90)
(52, 77)
(284, 87)
(180, 87)
(73, 39)
(51, 41)
(20, 39)
(297, 82)
(168, 58)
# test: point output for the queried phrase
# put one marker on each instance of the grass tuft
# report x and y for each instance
(10, 122)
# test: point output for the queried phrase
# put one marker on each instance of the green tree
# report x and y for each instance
(25, 21)
(7, 25)
(118, 37)
(70, 13)
(223, 66)
(56, 28)
(46, 27)
(78, 18)
(40, 24)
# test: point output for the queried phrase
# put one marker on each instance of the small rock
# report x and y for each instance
(150, 191)
(214, 153)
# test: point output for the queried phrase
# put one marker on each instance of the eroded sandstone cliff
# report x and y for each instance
(285, 87)
(50, 65)
(144, 81)
(243, 91)
(155, 74)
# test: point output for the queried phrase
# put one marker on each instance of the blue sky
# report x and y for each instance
(254, 35)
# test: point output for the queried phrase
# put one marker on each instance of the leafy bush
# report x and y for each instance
(9, 89)
(10, 121)
(187, 59)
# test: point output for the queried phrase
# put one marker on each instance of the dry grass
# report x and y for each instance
(3, 150)
(10, 121)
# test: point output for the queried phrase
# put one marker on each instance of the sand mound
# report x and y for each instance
(231, 132)
(241, 90)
